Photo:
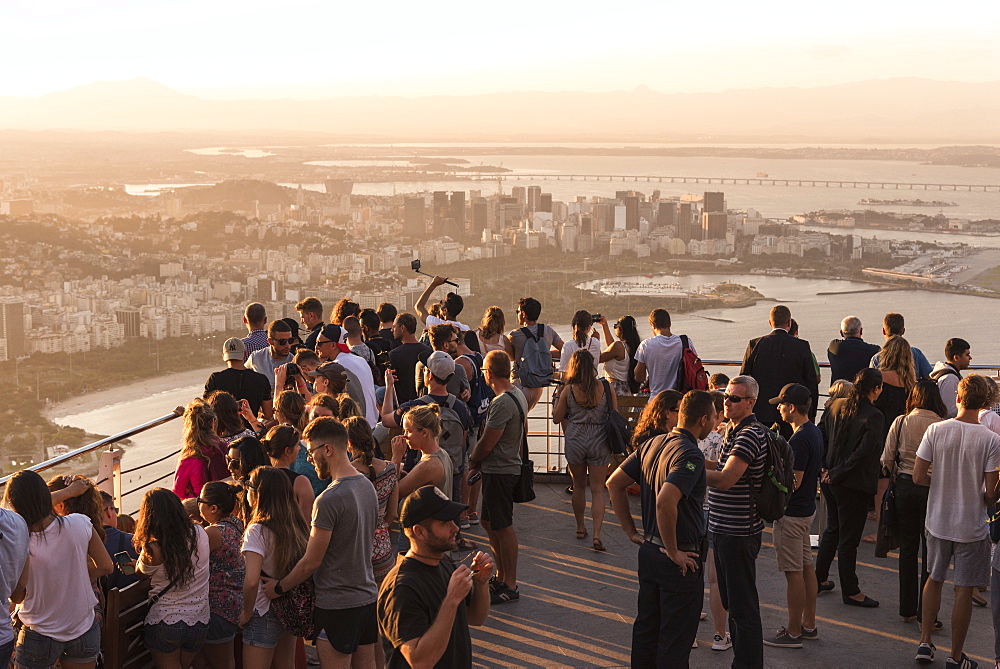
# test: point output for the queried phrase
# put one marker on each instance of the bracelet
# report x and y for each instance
(277, 587)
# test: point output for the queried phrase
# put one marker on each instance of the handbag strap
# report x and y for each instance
(524, 428)
(607, 397)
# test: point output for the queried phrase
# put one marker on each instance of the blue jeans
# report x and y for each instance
(6, 651)
(669, 605)
(736, 567)
(37, 651)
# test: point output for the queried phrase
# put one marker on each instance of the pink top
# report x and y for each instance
(191, 476)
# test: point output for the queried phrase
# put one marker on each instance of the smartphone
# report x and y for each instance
(474, 477)
(125, 563)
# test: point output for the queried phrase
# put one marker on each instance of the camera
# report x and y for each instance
(291, 369)
(595, 317)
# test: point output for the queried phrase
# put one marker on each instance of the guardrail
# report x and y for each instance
(546, 442)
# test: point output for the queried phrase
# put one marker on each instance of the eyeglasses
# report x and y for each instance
(326, 341)
(310, 451)
(735, 399)
(204, 501)
(282, 342)
(233, 462)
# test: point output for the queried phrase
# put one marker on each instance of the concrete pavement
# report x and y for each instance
(578, 605)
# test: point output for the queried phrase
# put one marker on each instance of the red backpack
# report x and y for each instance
(691, 374)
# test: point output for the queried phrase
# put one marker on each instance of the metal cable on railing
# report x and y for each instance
(154, 462)
(147, 484)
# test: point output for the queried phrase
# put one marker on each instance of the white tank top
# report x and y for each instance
(617, 370)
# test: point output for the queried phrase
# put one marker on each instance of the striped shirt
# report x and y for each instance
(255, 341)
(731, 512)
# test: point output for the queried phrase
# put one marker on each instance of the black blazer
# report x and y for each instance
(848, 356)
(854, 445)
(775, 360)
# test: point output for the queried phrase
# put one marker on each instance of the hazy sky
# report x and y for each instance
(295, 48)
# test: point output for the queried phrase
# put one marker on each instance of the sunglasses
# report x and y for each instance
(735, 399)
(282, 342)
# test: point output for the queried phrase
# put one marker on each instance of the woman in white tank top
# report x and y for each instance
(491, 332)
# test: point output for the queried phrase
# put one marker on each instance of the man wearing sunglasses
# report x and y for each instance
(277, 353)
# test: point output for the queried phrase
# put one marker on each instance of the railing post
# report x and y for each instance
(109, 473)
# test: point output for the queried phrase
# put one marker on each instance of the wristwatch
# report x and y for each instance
(277, 587)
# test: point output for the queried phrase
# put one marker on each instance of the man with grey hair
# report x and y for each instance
(734, 526)
(849, 355)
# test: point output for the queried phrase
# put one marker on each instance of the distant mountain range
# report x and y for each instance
(877, 111)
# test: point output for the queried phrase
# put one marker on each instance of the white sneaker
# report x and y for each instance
(718, 643)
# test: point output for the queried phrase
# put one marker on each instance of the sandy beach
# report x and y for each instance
(128, 394)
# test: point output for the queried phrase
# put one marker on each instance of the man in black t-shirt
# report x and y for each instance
(426, 589)
(240, 382)
(670, 470)
(403, 359)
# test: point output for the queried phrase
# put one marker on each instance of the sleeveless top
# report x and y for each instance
(292, 475)
(226, 570)
(485, 347)
(444, 484)
(382, 555)
(617, 370)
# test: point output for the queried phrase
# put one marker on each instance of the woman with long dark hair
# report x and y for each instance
(619, 356)
(382, 474)
(582, 410)
(174, 554)
(659, 416)
(228, 425)
(282, 445)
(65, 553)
(217, 503)
(274, 542)
(924, 407)
(245, 455)
(201, 458)
(854, 429)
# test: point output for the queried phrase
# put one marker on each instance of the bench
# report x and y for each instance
(122, 633)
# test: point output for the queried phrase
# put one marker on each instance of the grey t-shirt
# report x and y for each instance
(13, 553)
(503, 415)
(262, 362)
(349, 509)
(517, 339)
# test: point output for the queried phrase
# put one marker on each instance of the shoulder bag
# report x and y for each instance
(617, 430)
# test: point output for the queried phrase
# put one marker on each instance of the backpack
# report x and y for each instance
(691, 374)
(779, 478)
(480, 393)
(452, 437)
(534, 367)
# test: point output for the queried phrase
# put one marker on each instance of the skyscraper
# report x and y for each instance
(440, 210)
(713, 202)
(685, 230)
(479, 218)
(458, 209)
(12, 322)
(534, 198)
(666, 215)
(714, 224)
(545, 202)
(631, 203)
(414, 224)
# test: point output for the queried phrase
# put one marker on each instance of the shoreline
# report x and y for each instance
(101, 399)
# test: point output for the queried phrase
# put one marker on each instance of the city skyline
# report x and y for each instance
(308, 50)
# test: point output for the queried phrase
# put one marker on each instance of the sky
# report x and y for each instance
(308, 49)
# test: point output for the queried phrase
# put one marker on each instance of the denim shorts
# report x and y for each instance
(263, 631)
(164, 638)
(37, 651)
(220, 630)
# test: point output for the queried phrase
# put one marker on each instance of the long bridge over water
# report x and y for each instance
(737, 181)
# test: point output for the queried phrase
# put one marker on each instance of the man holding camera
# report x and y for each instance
(451, 306)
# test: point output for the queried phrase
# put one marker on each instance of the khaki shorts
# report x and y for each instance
(791, 543)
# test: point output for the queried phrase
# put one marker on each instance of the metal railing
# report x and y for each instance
(546, 442)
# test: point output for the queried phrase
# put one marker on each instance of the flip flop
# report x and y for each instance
(598, 546)
(581, 534)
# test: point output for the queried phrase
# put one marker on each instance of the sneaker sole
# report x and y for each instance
(720, 648)
(925, 659)
(772, 644)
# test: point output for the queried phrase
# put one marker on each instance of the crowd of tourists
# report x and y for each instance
(327, 474)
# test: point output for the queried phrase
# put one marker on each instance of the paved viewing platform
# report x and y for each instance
(578, 605)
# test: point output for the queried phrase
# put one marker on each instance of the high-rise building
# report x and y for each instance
(414, 224)
(130, 319)
(440, 206)
(12, 322)
(458, 209)
(631, 203)
(534, 198)
(521, 193)
(685, 229)
(713, 202)
(714, 224)
(666, 215)
(480, 219)
(545, 202)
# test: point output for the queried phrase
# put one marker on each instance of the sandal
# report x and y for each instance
(464, 545)
(581, 534)
(978, 599)
(598, 546)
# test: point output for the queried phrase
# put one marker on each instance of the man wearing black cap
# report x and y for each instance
(670, 470)
(792, 546)
(426, 603)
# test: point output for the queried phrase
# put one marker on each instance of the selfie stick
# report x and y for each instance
(450, 283)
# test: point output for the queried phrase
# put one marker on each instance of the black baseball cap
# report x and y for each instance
(429, 502)
(793, 393)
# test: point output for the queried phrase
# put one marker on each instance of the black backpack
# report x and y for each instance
(779, 478)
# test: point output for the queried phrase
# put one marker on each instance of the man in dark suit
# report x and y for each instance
(849, 355)
(777, 359)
